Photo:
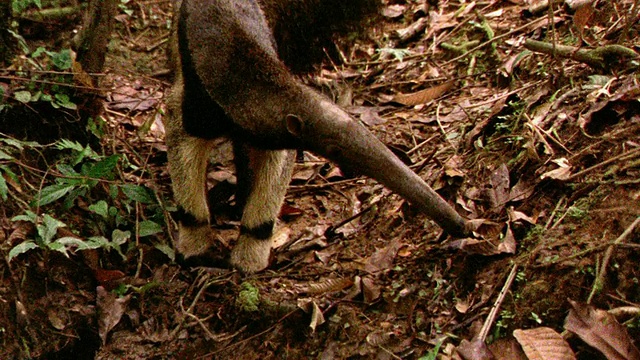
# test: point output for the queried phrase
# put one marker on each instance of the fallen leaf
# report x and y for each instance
(543, 344)
(515, 216)
(393, 11)
(110, 307)
(383, 258)
(326, 286)
(522, 190)
(561, 173)
(602, 331)
(370, 290)
(423, 96)
(309, 306)
(499, 194)
(507, 349)
(475, 349)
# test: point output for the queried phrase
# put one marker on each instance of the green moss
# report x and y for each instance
(248, 299)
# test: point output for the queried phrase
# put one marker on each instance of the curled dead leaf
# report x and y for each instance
(424, 96)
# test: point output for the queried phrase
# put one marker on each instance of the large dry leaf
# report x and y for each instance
(601, 330)
(110, 311)
(382, 259)
(423, 96)
(543, 344)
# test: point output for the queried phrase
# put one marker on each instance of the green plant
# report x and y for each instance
(433, 353)
(19, 6)
(80, 176)
(46, 238)
(248, 299)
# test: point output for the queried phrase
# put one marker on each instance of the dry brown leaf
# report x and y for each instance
(602, 331)
(326, 286)
(522, 190)
(110, 310)
(561, 173)
(499, 194)
(474, 350)
(383, 258)
(583, 15)
(508, 243)
(310, 307)
(495, 242)
(515, 216)
(543, 344)
(423, 96)
(393, 11)
(370, 290)
(507, 349)
(21, 232)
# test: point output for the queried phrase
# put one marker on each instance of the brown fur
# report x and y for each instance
(232, 83)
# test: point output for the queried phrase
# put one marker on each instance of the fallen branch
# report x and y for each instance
(603, 58)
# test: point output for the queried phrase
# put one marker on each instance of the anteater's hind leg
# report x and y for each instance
(262, 185)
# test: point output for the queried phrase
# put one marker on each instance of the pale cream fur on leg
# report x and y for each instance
(188, 158)
(272, 174)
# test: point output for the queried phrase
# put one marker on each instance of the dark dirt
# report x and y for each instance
(385, 286)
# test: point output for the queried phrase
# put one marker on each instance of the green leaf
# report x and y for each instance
(20, 144)
(22, 248)
(39, 51)
(138, 193)
(5, 156)
(29, 216)
(103, 169)
(149, 227)
(97, 242)
(24, 96)
(68, 144)
(49, 228)
(64, 101)
(56, 246)
(62, 60)
(69, 241)
(120, 237)
(4, 189)
(101, 208)
(67, 170)
(167, 250)
(52, 193)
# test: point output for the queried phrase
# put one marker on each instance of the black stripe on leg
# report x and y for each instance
(187, 219)
(262, 231)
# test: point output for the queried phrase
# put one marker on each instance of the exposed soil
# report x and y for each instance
(544, 152)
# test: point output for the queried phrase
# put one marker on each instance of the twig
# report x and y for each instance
(597, 285)
(269, 329)
(488, 42)
(621, 157)
(482, 335)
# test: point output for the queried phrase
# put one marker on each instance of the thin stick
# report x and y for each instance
(482, 336)
(598, 284)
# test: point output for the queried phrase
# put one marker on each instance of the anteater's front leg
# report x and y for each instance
(267, 176)
(188, 157)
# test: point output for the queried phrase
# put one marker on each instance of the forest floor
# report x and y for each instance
(542, 151)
